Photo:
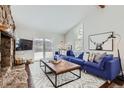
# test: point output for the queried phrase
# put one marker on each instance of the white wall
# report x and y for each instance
(111, 18)
(104, 20)
(70, 37)
(26, 33)
(72, 34)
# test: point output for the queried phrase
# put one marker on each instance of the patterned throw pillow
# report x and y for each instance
(91, 57)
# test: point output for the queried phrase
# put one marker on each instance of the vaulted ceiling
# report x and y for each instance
(57, 19)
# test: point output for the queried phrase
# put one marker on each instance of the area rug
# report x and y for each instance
(39, 79)
(15, 77)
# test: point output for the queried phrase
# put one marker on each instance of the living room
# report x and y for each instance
(70, 34)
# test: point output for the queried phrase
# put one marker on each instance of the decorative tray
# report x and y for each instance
(55, 62)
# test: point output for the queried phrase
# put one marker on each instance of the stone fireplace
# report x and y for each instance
(7, 50)
(10, 75)
(7, 54)
(7, 27)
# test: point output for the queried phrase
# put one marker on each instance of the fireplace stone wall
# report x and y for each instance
(7, 50)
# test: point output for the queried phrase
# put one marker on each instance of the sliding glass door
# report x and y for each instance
(38, 49)
(43, 48)
(48, 49)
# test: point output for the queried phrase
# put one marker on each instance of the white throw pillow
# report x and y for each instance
(85, 56)
(63, 52)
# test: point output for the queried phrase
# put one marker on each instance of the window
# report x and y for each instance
(43, 49)
(79, 39)
(38, 49)
(48, 48)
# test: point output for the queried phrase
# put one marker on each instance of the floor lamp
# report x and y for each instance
(121, 76)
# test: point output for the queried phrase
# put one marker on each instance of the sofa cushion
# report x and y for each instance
(65, 58)
(92, 65)
(76, 60)
(105, 59)
(81, 55)
(108, 58)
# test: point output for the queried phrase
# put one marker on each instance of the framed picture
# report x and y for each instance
(101, 41)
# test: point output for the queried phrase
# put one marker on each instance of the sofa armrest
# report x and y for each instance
(112, 68)
(92, 64)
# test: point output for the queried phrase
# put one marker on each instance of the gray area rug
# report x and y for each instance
(39, 79)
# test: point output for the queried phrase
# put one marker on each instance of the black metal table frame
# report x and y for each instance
(55, 83)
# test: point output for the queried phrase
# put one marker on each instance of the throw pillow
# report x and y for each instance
(91, 57)
(96, 55)
(63, 52)
(70, 53)
(57, 53)
(85, 57)
(108, 58)
(99, 57)
(81, 55)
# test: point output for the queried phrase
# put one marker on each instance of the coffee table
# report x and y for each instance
(61, 68)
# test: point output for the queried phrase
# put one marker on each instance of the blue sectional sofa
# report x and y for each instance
(107, 69)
